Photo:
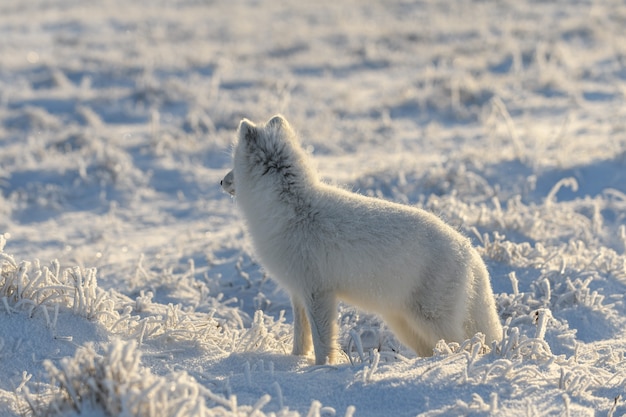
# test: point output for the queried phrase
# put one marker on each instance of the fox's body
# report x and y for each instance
(323, 243)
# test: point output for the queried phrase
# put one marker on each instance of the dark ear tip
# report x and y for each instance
(277, 121)
(246, 124)
(247, 129)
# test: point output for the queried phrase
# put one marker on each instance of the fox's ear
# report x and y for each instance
(247, 130)
(277, 121)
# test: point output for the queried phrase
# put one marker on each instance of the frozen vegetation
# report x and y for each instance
(128, 286)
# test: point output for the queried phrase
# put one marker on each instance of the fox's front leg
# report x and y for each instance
(322, 314)
(302, 341)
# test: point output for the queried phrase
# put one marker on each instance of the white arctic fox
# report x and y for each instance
(323, 243)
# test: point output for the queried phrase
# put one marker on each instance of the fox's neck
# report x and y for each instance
(287, 199)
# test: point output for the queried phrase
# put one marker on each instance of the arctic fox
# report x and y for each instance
(323, 244)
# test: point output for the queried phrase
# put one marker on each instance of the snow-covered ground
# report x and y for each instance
(128, 285)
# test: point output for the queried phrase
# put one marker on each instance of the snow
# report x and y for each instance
(128, 285)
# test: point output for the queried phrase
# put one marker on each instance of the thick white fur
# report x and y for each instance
(323, 243)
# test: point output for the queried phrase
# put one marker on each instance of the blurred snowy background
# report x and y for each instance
(128, 285)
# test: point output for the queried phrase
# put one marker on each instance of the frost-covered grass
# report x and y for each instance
(128, 286)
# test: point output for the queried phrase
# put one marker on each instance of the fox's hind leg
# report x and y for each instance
(421, 328)
(302, 341)
(407, 334)
(322, 313)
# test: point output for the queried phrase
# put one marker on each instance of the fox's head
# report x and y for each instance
(267, 157)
